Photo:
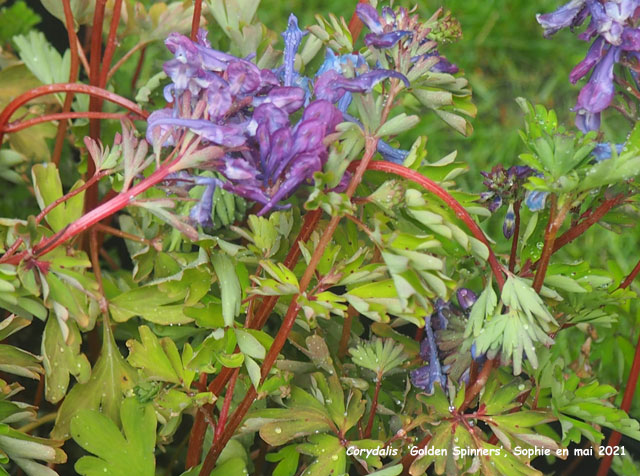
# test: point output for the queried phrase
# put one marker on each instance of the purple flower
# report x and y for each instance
(426, 376)
(369, 16)
(596, 51)
(161, 122)
(385, 40)
(505, 185)
(201, 213)
(292, 39)
(569, 15)
(332, 86)
(466, 298)
(598, 93)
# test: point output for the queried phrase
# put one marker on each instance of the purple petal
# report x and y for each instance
(593, 56)
(200, 214)
(219, 101)
(369, 16)
(466, 298)
(586, 121)
(303, 168)
(229, 135)
(289, 99)
(271, 115)
(597, 94)
(630, 39)
(385, 40)
(239, 169)
(243, 77)
(566, 16)
(331, 86)
(280, 152)
(323, 111)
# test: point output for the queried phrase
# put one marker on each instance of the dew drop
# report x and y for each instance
(278, 430)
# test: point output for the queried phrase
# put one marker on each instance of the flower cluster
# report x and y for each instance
(389, 28)
(506, 186)
(434, 371)
(231, 103)
(616, 38)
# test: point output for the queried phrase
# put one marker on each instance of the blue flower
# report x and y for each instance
(332, 86)
(292, 39)
(535, 200)
(603, 150)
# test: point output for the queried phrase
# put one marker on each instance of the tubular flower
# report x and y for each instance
(615, 37)
(433, 352)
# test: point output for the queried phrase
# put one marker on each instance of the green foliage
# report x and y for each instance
(116, 454)
(17, 19)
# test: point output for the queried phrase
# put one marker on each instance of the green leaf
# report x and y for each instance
(152, 304)
(150, 356)
(331, 456)
(19, 362)
(110, 378)
(230, 290)
(117, 455)
(249, 345)
(42, 59)
(16, 19)
(287, 459)
(48, 188)
(62, 358)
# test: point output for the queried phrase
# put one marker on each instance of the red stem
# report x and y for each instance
(94, 216)
(62, 117)
(73, 77)
(629, 391)
(196, 438)
(34, 93)
(441, 193)
(592, 218)
(408, 458)
(478, 384)
(355, 25)
(374, 407)
(195, 22)
(136, 74)
(224, 413)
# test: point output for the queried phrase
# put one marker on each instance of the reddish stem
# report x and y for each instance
(195, 21)
(629, 391)
(516, 235)
(441, 193)
(34, 93)
(62, 117)
(136, 74)
(592, 218)
(196, 438)
(346, 331)
(632, 275)
(111, 44)
(355, 25)
(556, 218)
(94, 216)
(374, 407)
(408, 458)
(73, 76)
(224, 413)
(478, 384)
